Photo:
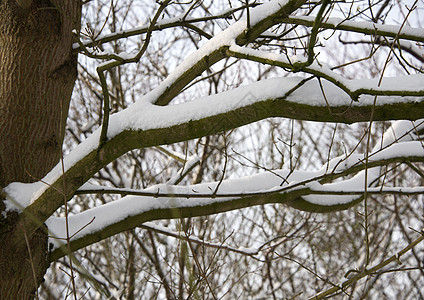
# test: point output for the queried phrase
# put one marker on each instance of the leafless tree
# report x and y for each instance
(212, 149)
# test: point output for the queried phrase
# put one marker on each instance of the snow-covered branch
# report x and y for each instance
(305, 190)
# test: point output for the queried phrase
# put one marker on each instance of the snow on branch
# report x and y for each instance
(261, 18)
(306, 190)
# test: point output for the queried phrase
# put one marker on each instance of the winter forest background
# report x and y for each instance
(283, 126)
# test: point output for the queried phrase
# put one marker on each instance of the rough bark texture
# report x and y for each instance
(37, 75)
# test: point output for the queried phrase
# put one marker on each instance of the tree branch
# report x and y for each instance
(369, 28)
(167, 201)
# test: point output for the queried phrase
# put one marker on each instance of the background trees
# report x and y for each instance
(268, 250)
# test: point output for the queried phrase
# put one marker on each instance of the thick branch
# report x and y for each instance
(166, 201)
(263, 17)
(189, 210)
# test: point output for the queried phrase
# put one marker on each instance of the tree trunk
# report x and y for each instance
(37, 76)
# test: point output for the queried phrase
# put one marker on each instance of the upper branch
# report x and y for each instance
(369, 28)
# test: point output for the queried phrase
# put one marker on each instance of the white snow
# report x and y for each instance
(20, 194)
(191, 162)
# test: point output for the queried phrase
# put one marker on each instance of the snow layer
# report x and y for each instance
(283, 181)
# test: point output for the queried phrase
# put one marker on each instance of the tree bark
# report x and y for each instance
(37, 76)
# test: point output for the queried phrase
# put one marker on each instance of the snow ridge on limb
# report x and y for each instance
(261, 18)
(401, 139)
(304, 190)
